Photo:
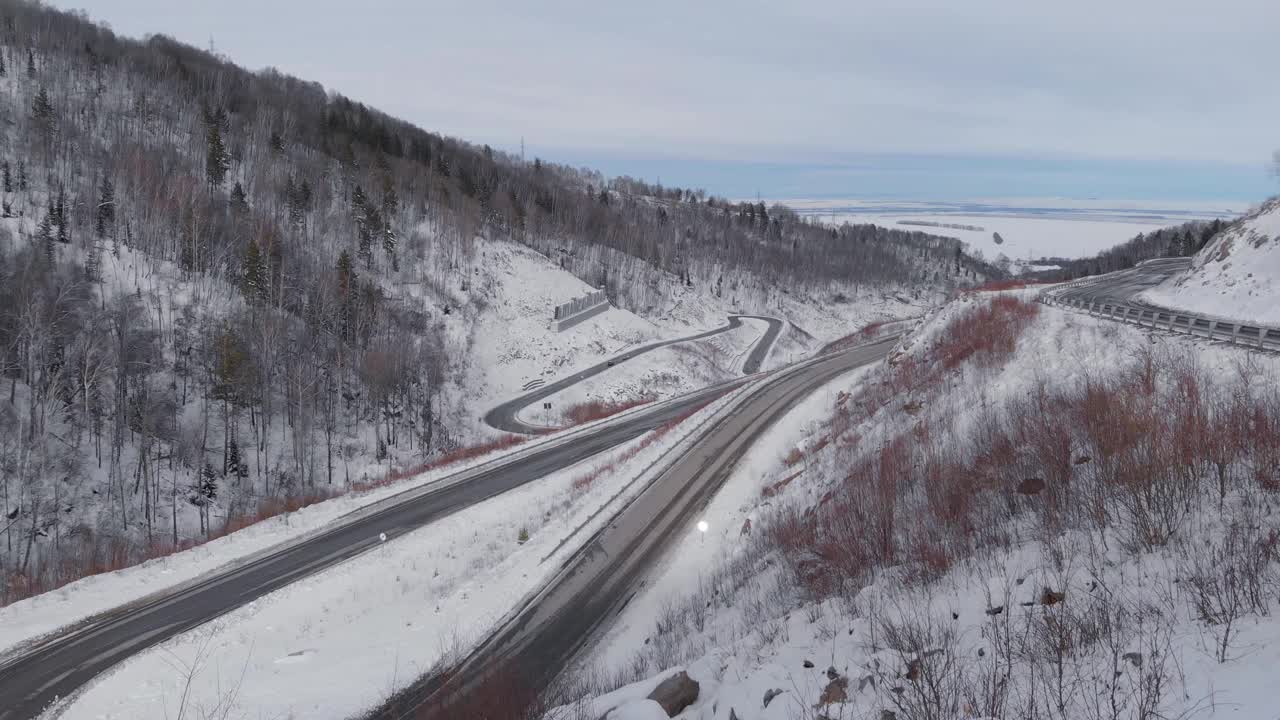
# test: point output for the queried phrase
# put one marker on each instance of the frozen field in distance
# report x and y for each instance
(1030, 228)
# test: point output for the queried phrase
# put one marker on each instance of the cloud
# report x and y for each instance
(1122, 79)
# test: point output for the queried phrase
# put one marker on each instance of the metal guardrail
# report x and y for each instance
(577, 305)
(1253, 336)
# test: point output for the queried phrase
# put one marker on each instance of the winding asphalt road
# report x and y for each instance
(506, 416)
(1115, 296)
(1123, 286)
(58, 666)
(543, 635)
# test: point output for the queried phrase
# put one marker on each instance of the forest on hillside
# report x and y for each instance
(1182, 240)
(204, 272)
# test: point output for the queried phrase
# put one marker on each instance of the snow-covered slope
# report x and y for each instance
(775, 624)
(510, 337)
(1236, 276)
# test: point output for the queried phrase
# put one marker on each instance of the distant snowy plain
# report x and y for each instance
(1030, 228)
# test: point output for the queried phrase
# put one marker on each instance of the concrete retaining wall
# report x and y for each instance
(591, 311)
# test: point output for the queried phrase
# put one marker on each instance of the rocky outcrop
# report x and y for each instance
(676, 693)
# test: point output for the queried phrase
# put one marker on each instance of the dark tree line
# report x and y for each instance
(1182, 240)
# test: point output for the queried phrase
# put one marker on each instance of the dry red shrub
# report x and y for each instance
(986, 335)
(599, 409)
(1137, 452)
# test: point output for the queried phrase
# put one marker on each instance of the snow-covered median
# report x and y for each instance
(659, 374)
(730, 516)
(337, 643)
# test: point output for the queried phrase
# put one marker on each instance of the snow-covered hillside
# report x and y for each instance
(1057, 519)
(1235, 276)
(225, 292)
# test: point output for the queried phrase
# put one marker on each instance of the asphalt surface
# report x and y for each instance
(506, 416)
(1123, 286)
(61, 664)
(543, 635)
(56, 668)
(1114, 296)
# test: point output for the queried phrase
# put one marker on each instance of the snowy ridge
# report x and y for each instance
(1235, 276)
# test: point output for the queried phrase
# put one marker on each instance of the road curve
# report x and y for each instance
(505, 416)
(1114, 296)
(542, 636)
(57, 667)
(1124, 285)
(762, 347)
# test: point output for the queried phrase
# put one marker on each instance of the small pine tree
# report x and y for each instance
(22, 175)
(43, 114)
(390, 204)
(230, 363)
(8, 178)
(346, 296)
(45, 231)
(208, 488)
(366, 224)
(60, 217)
(252, 279)
(298, 200)
(304, 198)
(275, 266)
(346, 275)
(239, 202)
(236, 464)
(203, 493)
(31, 64)
(371, 228)
(233, 459)
(93, 264)
(523, 536)
(217, 161)
(4, 71)
(106, 215)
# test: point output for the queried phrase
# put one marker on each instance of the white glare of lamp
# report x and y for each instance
(703, 526)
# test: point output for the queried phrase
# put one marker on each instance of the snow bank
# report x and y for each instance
(1236, 276)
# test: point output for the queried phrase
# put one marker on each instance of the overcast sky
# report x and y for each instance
(1115, 98)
